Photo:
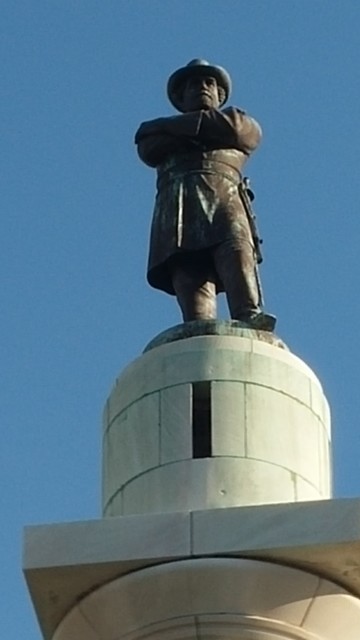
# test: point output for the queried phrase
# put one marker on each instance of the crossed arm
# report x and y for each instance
(230, 128)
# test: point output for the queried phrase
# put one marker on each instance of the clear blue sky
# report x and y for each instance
(78, 76)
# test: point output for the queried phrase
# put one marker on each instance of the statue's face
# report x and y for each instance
(200, 92)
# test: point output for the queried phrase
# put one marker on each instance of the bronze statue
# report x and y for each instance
(203, 239)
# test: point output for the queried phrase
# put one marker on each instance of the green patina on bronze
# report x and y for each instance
(198, 328)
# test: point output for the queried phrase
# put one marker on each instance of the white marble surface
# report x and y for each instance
(267, 599)
(194, 356)
(174, 422)
(65, 561)
(207, 483)
(269, 429)
(132, 444)
(229, 418)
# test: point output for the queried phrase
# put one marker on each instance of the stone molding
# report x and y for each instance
(64, 562)
(215, 596)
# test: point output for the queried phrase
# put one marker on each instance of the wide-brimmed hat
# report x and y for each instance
(197, 67)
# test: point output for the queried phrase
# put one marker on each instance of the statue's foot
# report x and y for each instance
(260, 320)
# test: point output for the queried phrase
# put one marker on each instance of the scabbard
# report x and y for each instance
(251, 217)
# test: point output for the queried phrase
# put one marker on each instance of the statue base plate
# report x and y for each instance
(254, 330)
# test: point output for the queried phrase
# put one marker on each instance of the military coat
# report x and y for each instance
(199, 157)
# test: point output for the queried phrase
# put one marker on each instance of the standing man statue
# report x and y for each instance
(203, 238)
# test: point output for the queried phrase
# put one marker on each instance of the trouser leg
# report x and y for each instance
(236, 268)
(195, 289)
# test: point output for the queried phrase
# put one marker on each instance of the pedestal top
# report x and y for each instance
(213, 328)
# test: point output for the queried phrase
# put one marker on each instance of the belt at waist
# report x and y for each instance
(223, 171)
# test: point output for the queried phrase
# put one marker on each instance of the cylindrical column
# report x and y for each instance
(213, 599)
(215, 421)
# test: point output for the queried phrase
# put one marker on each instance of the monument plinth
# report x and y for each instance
(212, 421)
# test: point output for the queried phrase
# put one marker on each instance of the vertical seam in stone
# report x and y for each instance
(122, 502)
(197, 629)
(108, 508)
(211, 413)
(311, 603)
(88, 622)
(191, 521)
(245, 421)
(160, 427)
